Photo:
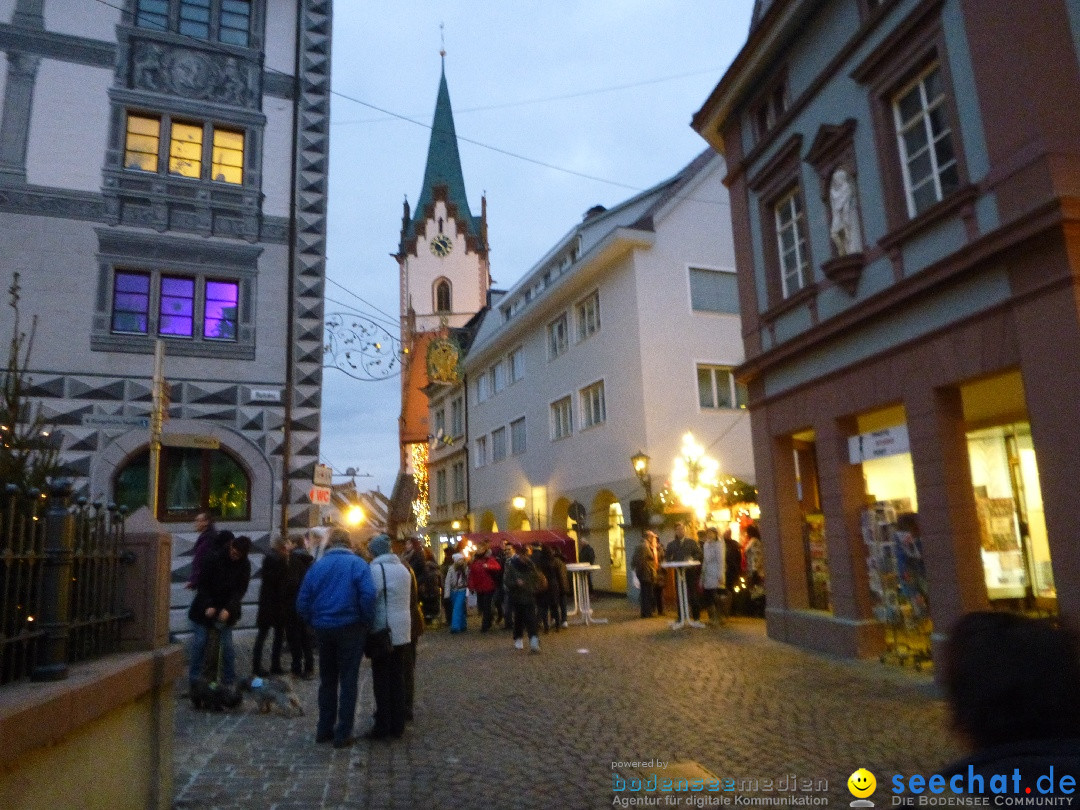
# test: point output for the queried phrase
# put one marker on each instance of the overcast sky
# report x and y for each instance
(604, 89)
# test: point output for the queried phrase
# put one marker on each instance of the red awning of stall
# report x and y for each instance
(545, 537)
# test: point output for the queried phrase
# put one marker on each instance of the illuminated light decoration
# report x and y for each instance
(694, 475)
(421, 507)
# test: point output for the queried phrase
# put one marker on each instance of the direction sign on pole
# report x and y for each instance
(323, 474)
(319, 495)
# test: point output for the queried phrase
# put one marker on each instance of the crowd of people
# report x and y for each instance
(321, 592)
(729, 579)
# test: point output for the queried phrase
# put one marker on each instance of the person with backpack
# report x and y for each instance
(522, 580)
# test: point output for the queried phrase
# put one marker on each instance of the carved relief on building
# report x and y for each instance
(189, 73)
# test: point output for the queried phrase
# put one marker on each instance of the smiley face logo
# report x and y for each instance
(861, 783)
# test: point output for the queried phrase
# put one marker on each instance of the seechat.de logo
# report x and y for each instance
(861, 784)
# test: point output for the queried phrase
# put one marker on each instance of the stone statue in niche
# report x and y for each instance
(844, 207)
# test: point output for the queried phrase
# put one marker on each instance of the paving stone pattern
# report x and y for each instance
(501, 728)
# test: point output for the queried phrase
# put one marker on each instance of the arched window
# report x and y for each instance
(191, 480)
(442, 296)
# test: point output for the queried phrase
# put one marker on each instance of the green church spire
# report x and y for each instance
(444, 168)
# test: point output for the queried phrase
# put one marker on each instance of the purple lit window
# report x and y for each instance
(131, 302)
(219, 321)
(177, 306)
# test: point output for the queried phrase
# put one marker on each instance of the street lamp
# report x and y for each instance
(518, 502)
(641, 467)
(354, 515)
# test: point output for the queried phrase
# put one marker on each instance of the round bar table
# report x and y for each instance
(582, 606)
(680, 589)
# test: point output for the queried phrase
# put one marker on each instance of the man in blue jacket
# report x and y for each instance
(337, 598)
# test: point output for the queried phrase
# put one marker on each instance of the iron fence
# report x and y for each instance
(61, 569)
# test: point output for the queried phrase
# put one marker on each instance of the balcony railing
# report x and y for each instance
(61, 569)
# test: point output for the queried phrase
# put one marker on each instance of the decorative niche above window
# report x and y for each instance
(832, 156)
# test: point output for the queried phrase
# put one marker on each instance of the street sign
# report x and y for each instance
(323, 474)
(190, 440)
(320, 495)
(104, 421)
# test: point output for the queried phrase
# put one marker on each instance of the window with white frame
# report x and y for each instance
(929, 162)
(457, 476)
(483, 387)
(498, 376)
(593, 410)
(516, 362)
(517, 437)
(588, 316)
(457, 416)
(717, 388)
(791, 242)
(562, 419)
(558, 336)
(713, 291)
(481, 453)
(440, 487)
(498, 444)
(440, 423)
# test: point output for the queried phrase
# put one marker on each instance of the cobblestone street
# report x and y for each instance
(500, 728)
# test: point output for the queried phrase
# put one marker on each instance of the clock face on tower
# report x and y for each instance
(441, 245)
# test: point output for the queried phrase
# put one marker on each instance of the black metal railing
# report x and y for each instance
(60, 582)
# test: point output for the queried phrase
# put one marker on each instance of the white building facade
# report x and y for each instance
(163, 177)
(621, 339)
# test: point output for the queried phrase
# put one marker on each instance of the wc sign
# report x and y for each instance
(878, 444)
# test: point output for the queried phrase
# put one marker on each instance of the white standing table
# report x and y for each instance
(580, 575)
(680, 589)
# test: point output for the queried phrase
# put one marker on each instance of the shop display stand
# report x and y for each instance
(897, 579)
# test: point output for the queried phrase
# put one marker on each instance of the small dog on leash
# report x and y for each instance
(270, 693)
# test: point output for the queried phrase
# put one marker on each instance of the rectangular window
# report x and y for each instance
(517, 436)
(562, 421)
(235, 22)
(481, 451)
(588, 316)
(498, 377)
(558, 337)
(457, 417)
(228, 21)
(925, 138)
(593, 410)
(228, 158)
(440, 487)
(131, 303)
(152, 14)
(142, 143)
(791, 241)
(483, 387)
(713, 291)
(195, 18)
(458, 476)
(440, 423)
(185, 150)
(220, 310)
(177, 307)
(718, 389)
(517, 364)
(498, 444)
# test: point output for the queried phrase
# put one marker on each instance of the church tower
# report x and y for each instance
(443, 270)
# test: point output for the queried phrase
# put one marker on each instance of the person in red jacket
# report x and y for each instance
(483, 579)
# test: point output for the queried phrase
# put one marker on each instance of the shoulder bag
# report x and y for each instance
(379, 643)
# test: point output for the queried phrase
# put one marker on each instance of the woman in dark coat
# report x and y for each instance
(273, 611)
(300, 637)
